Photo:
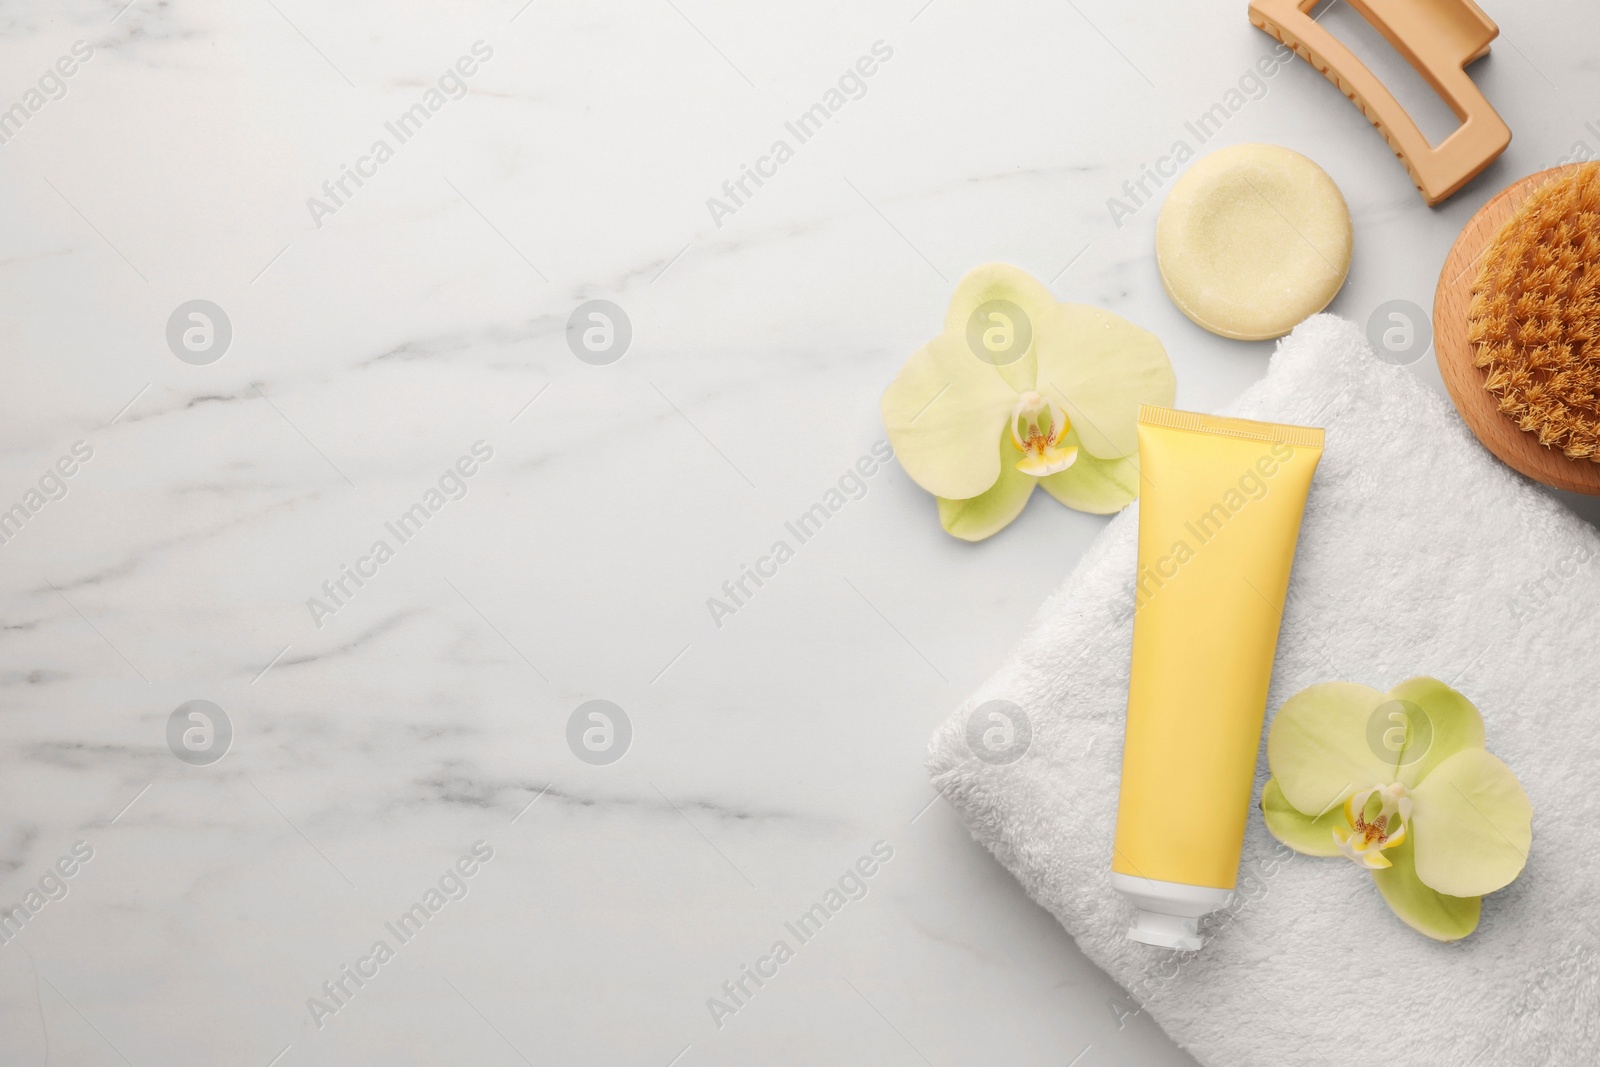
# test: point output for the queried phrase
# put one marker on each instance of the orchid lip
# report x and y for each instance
(1378, 819)
(1037, 429)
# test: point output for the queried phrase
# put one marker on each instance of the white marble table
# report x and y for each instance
(381, 331)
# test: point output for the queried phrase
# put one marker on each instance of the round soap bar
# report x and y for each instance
(1252, 239)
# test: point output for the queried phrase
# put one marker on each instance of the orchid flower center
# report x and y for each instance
(1377, 820)
(1037, 429)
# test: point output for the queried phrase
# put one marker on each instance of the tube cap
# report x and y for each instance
(1167, 914)
(1165, 931)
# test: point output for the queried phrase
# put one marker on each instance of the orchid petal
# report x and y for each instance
(942, 411)
(1093, 485)
(1100, 367)
(1425, 910)
(990, 512)
(1005, 336)
(1473, 823)
(1304, 833)
(1449, 723)
(1318, 750)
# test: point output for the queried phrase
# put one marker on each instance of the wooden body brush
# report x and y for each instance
(1516, 325)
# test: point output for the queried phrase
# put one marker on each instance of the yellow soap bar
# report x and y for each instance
(1252, 240)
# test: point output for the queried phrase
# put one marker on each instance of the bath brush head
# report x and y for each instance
(1534, 319)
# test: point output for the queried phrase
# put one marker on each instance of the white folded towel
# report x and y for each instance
(1420, 554)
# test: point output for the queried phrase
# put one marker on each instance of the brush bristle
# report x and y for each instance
(1535, 318)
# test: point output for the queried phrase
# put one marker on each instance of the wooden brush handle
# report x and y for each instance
(1438, 38)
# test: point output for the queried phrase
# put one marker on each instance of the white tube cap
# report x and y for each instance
(1165, 931)
(1167, 914)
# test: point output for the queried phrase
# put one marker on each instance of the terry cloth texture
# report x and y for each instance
(1420, 554)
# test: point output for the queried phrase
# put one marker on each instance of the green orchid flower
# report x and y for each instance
(1400, 783)
(1020, 391)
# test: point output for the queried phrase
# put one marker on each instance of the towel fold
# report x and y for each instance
(1420, 554)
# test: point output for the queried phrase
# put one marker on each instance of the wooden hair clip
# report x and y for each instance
(1438, 38)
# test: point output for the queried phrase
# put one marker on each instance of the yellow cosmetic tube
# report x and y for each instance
(1219, 514)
